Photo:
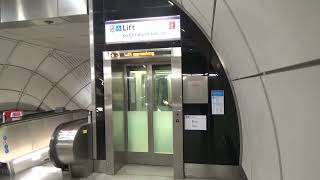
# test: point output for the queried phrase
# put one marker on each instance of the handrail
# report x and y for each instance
(38, 116)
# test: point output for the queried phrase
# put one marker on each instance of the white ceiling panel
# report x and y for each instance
(14, 78)
(56, 99)
(70, 37)
(53, 69)
(231, 45)
(38, 87)
(28, 103)
(280, 32)
(197, 14)
(83, 98)
(72, 106)
(6, 46)
(28, 56)
(8, 99)
(71, 48)
(70, 84)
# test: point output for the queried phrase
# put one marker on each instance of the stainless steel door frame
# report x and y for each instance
(107, 75)
(175, 58)
(176, 67)
(150, 102)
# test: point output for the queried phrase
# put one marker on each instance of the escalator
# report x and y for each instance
(25, 143)
(71, 148)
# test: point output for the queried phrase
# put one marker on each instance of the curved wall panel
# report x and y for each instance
(295, 101)
(280, 33)
(231, 44)
(278, 111)
(260, 155)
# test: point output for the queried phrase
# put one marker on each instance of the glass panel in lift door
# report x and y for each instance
(137, 109)
(162, 110)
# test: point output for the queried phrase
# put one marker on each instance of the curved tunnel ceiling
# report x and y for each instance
(271, 52)
(37, 70)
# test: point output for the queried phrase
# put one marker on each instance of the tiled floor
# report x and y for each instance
(129, 172)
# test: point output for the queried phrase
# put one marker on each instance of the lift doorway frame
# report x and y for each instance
(174, 56)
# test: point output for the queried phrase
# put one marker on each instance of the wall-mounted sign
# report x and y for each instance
(166, 28)
(5, 144)
(217, 102)
(195, 122)
(16, 115)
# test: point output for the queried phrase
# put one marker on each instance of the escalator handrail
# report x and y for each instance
(39, 116)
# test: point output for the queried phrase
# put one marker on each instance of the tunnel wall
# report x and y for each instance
(270, 50)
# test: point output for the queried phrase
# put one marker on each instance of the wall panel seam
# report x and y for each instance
(243, 35)
(304, 65)
(13, 90)
(31, 76)
(78, 92)
(55, 85)
(213, 17)
(274, 128)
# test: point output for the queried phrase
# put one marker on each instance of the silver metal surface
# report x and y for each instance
(100, 166)
(126, 106)
(23, 10)
(178, 165)
(72, 7)
(195, 89)
(20, 10)
(71, 146)
(150, 104)
(107, 70)
(93, 82)
(150, 159)
(212, 171)
(44, 22)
